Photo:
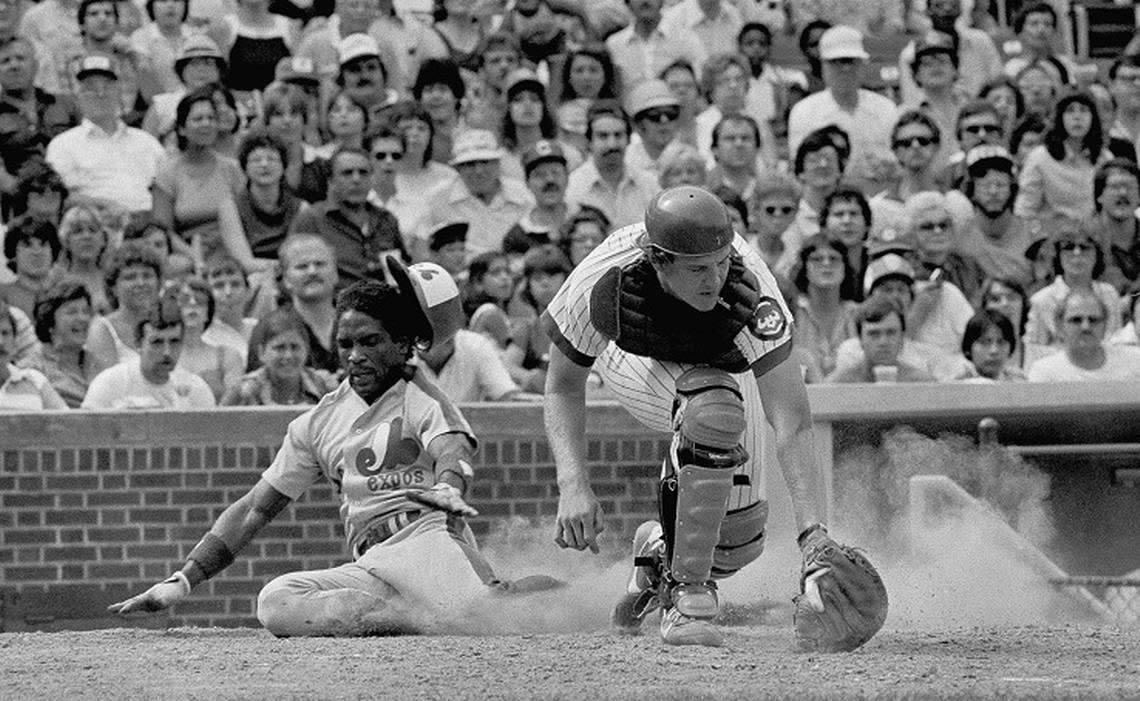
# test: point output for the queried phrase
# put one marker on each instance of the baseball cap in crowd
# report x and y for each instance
(357, 46)
(649, 94)
(984, 153)
(298, 70)
(199, 46)
(96, 64)
(542, 151)
(475, 145)
(890, 239)
(448, 233)
(935, 42)
(523, 78)
(886, 266)
(842, 42)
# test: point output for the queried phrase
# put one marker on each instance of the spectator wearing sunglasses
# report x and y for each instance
(1079, 263)
(387, 149)
(655, 111)
(979, 124)
(1082, 319)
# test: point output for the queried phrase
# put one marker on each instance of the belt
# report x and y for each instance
(380, 530)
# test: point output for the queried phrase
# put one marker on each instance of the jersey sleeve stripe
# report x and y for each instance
(564, 345)
(771, 359)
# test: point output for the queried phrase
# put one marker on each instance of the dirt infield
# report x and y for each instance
(1017, 662)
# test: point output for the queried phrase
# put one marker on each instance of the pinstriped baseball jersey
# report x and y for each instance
(373, 454)
(646, 386)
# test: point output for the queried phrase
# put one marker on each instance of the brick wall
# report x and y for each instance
(95, 507)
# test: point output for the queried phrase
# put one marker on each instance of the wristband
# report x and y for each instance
(211, 554)
(180, 579)
(462, 478)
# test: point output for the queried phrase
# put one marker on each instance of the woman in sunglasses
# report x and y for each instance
(1079, 262)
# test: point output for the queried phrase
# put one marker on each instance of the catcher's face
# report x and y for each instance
(696, 280)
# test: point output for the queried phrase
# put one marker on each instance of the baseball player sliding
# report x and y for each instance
(687, 328)
(398, 452)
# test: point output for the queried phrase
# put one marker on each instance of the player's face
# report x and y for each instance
(696, 280)
(882, 340)
(368, 354)
(989, 353)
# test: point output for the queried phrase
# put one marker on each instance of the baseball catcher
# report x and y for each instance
(686, 326)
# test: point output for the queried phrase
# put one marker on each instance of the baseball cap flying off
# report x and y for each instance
(687, 221)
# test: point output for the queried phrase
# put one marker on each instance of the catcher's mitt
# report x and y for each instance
(842, 600)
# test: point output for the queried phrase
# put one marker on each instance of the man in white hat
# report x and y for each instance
(200, 62)
(322, 45)
(867, 117)
(103, 160)
(655, 111)
(363, 74)
(643, 50)
(482, 197)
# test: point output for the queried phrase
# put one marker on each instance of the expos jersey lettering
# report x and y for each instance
(385, 460)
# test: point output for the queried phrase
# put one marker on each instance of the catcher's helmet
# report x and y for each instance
(687, 221)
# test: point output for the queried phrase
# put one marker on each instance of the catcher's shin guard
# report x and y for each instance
(741, 539)
(708, 421)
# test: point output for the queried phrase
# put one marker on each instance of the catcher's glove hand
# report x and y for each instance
(842, 600)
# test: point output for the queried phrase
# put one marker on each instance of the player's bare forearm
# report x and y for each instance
(240, 522)
(564, 414)
(786, 406)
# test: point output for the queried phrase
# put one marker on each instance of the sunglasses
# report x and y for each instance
(659, 114)
(783, 211)
(981, 128)
(944, 224)
(914, 141)
(1080, 320)
(387, 155)
(1071, 246)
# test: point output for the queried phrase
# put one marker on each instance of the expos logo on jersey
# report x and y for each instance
(389, 460)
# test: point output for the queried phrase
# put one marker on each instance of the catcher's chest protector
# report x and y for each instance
(629, 306)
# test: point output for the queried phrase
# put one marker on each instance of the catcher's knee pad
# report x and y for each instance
(708, 421)
(741, 539)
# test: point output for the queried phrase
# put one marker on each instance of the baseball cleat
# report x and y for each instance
(641, 596)
(679, 629)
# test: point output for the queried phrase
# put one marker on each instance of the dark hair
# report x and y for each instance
(35, 176)
(599, 53)
(65, 290)
(738, 119)
(876, 309)
(829, 136)
(1013, 285)
(973, 108)
(383, 303)
(916, 117)
(510, 130)
(182, 113)
(585, 213)
(282, 321)
(352, 101)
(952, 52)
(409, 109)
(150, 9)
(806, 32)
(753, 27)
(439, 71)
(845, 194)
(480, 264)
(606, 108)
(1029, 124)
(228, 98)
(498, 40)
(6, 315)
(1056, 136)
(131, 253)
(199, 286)
(733, 200)
(1100, 178)
(1033, 8)
(848, 287)
(1132, 60)
(346, 150)
(81, 13)
(1004, 82)
(222, 262)
(159, 322)
(282, 95)
(545, 258)
(982, 322)
(982, 168)
(28, 228)
(260, 138)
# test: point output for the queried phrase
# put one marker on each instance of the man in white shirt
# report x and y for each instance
(715, 22)
(103, 160)
(978, 58)
(468, 368)
(603, 181)
(1081, 319)
(642, 50)
(655, 111)
(867, 117)
(153, 381)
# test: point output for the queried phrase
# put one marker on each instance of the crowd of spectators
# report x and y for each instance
(185, 184)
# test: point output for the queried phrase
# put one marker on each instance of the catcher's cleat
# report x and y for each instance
(679, 629)
(695, 600)
(641, 595)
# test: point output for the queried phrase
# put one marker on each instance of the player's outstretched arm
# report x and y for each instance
(453, 474)
(579, 513)
(786, 407)
(230, 533)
